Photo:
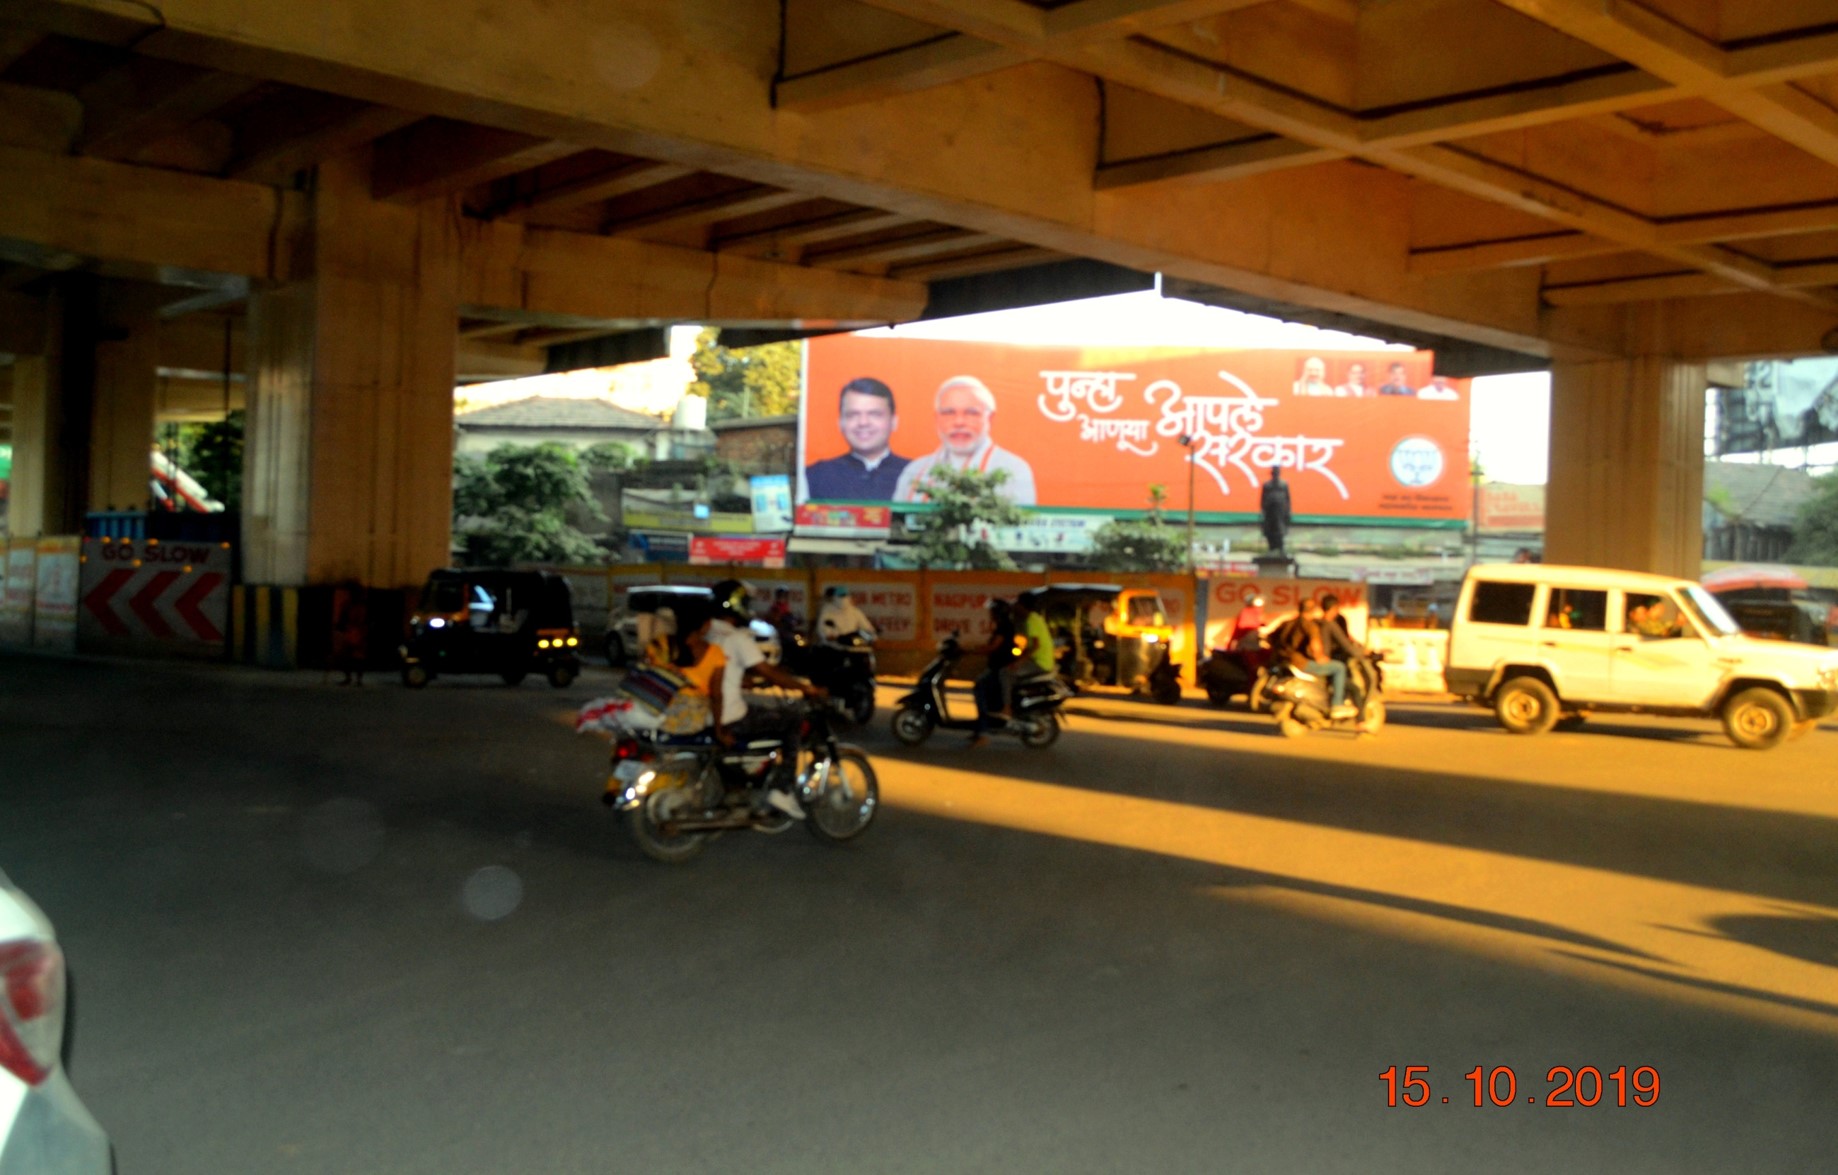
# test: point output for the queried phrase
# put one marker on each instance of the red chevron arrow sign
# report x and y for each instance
(145, 591)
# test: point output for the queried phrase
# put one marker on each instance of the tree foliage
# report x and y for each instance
(966, 507)
(609, 457)
(512, 505)
(213, 453)
(746, 381)
(1147, 544)
(1815, 534)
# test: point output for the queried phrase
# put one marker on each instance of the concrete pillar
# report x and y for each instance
(39, 498)
(30, 497)
(1627, 465)
(121, 420)
(349, 443)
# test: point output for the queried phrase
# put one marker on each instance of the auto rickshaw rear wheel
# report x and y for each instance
(562, 676)
(416, 676)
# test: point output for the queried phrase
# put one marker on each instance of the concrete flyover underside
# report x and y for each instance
(1571, 181)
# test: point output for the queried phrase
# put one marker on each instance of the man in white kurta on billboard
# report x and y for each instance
(964, 409)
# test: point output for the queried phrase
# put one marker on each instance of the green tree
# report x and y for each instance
(608, 457)
(512, 505)
(213, 453)
(748, 381)
(1147, 544)
(1815, 533)
(966, 505)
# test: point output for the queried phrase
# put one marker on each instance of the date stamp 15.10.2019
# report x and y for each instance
(1566, 1087)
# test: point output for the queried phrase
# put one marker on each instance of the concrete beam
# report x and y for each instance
(622, 180)
(439, 156)
(926, 65)
(1218, 163)
(1671, 51)
(98, 208)
(276, 143)
(591, 279)
(145, 99)
(1084, 21)
(1024, 177)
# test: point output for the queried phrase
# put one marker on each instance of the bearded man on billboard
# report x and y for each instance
(965, 407)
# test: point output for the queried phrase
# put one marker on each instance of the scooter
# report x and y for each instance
(1036, 720)
(1301, 704)
(1230, 673)
(843, 665)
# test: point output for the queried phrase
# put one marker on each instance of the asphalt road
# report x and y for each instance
(318, 929)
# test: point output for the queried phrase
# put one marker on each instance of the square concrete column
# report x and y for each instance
(121, 420)
(1627, 465)
(349, 446)
(36, 494)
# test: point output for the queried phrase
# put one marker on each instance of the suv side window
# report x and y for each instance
(1652, 618)
(1582, 609)
(1502, 603)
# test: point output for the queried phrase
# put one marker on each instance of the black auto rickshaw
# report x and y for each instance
(484, 620)
(1107, 634)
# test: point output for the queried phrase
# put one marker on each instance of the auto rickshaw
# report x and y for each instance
(1106, 634)
(484, 620)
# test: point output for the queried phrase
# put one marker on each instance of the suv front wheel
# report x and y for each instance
(1525, 705)
(1757, 719)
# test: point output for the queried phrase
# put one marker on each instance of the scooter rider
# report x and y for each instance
(1305, 647)
(1001, 652)
(744, 717)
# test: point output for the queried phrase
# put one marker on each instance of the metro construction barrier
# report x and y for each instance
(149, 596)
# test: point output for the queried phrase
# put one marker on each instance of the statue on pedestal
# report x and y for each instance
(1273, 504)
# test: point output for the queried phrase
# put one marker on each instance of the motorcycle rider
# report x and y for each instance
(744, 717)
(840, 618)
(1304, 645)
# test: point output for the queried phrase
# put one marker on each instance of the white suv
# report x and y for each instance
(44, 1129)
(1545, 644)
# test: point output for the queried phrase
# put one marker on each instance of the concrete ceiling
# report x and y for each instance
(1521, 177)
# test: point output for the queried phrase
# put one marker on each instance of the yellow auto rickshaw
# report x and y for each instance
(1107, 634)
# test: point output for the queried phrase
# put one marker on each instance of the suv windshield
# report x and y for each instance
(1710, 612)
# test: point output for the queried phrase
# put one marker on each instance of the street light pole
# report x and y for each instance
(1187, 442)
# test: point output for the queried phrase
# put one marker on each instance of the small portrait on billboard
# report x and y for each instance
(1355, 385)
(870, 470)
(1439, 388)
(1396, 382)
(964, 408)
(1313, 380)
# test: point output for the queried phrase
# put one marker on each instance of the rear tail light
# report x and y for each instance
(31, 1008)
(628, 748)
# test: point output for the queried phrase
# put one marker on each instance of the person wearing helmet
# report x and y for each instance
(839, 617)
(730, 634)
(741, 717)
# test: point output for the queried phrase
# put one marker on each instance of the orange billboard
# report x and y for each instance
(1368, 436)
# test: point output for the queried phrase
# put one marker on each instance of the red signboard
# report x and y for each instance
(751, 552)
(845, 521)
(1367, 435)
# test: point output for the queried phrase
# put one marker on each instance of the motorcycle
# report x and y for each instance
(1230, 673)
(1037, 700)
(677, 794)
(1301, 704)
(843, 665)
